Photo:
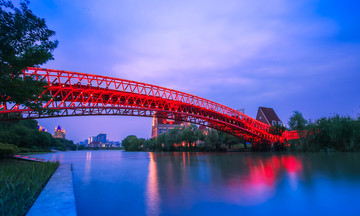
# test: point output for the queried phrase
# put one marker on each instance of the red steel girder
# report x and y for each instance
(75, 94)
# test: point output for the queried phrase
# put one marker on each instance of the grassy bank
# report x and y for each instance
(21, 183)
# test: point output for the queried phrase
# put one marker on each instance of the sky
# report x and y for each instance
(288, 55)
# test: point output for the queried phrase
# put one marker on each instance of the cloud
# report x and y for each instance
(237, 52)
(175, 41)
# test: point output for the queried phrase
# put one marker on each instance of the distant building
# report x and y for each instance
(268, 116)
(41, 128)
(86, 142)
(116, 144)
(162, 125)
(59, 132)
(101, 138)
(98, 141)
(94, 144)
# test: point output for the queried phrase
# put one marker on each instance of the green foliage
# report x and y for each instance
(82, 147)
(25, 135)
(24, 42)
(182, 139)
(149, 145)
(211, 140)
(277, 129)
(189, 135)
(7, 149)
(33, 150)
(227, 140)
(336, 133)
(63, 144)
(297, 121)
(20, 184)
(132, 143)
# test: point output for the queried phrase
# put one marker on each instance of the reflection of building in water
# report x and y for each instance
(162, 125)
(87, 167)
(152, 189)
(59, 132)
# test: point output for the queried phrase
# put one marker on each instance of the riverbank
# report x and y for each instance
(57, 198)
(21, 183)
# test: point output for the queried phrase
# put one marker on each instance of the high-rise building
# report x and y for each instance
(86, 142)
(59, 132)
(101, 138)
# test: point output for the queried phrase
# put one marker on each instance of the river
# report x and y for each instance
(142, 183)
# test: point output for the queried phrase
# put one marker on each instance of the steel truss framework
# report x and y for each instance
(80, 94)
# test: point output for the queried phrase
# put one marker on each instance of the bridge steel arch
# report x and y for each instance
(81, 94)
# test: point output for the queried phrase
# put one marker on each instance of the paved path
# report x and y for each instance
(29, 158)
(57, 198)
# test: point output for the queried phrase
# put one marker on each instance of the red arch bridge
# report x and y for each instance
(81, 94)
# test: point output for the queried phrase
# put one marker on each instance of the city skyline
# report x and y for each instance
(280, 54)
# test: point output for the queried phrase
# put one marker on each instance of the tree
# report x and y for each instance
(189, 135)
(277, 129)
(297, 121)
(211, 140)
(132, 143)
(24, 42)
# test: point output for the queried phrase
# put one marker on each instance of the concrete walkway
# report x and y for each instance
(57, 198)
(29, 158)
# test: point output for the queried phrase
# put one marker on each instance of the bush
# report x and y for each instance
(7, 149)
(132, 143)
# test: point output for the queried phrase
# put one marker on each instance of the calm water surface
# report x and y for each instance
(140, 183)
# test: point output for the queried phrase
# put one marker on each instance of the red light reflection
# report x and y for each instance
(259, 185)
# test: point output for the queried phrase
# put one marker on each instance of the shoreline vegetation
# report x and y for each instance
(329, 134)
(21, 182)
(23, 136)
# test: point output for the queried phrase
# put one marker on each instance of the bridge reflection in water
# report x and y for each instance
(141, 183)
(186, 179)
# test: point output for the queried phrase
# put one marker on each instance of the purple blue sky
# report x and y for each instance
(289, 55)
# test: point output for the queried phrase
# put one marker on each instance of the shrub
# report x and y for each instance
(7, 149)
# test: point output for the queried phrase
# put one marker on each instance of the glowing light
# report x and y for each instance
(218, 114)
(152, 189)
